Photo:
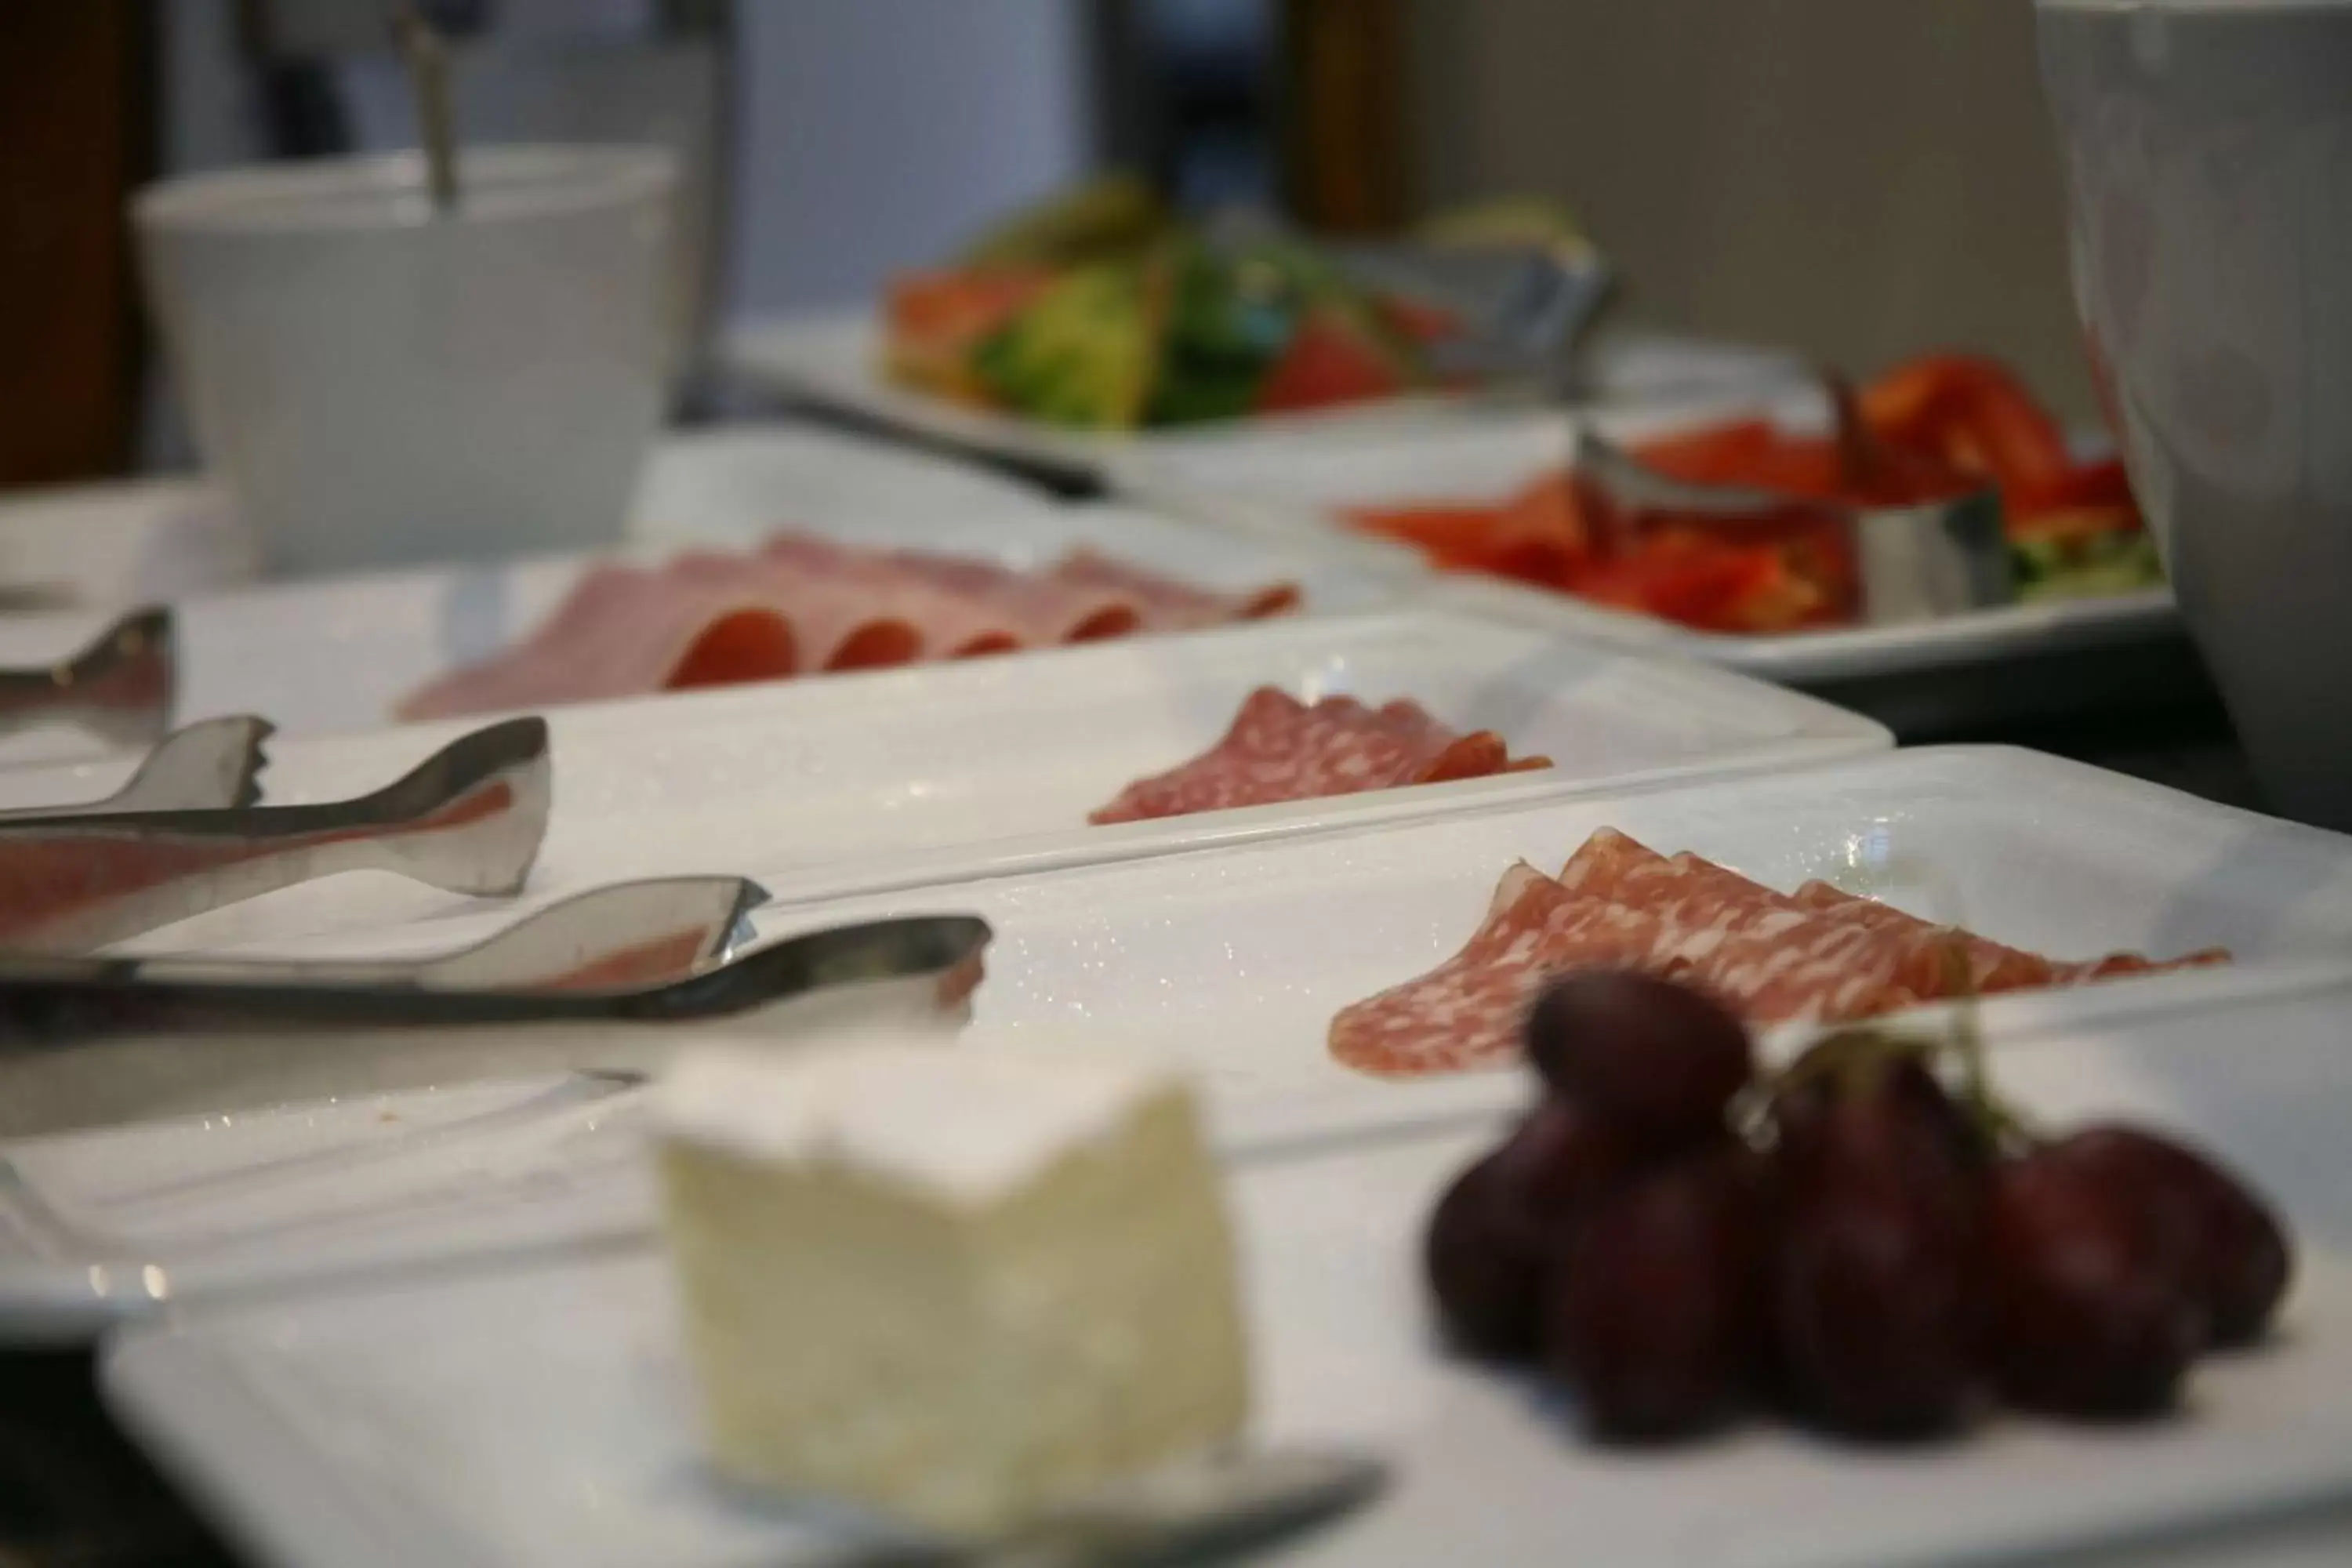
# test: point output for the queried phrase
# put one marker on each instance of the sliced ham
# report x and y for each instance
(1167, 605)
(1280, 748)
(802, 605)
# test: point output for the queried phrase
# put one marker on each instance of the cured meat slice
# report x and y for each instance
(800, 604)
(1992, 966)
(1466, 1012)
(2116, 965)
(1619, 904)
(1279, 749)
(1166, 604)
(1766, 959)
(1699, 903)
(1820, 955)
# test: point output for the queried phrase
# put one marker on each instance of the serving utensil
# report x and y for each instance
(469, 819)
(572, 988)
(202, 767)
(1522, 308)
(117, 687)
(1229, 1502)
(1917, 562)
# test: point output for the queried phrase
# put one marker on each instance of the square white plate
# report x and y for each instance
(334, 654)
(834, 360)
(1297, 488)
(981, 767)
(1228, 960)
(536, 1412)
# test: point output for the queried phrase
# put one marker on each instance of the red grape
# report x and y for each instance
(1487, 1280)
(1560, 1158)
(2233, 1246)
(1874, 1309)
(1659, 1059)
(1493, 1234)
(1881, 1122)
(1654, 1311)
(1873, 1297)
(2089, 1312)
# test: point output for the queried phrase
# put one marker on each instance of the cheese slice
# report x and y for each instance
(956, 1285)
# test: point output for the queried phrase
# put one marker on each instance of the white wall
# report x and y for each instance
(876, 134)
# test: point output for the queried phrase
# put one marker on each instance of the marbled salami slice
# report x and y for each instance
(1992, 965)
(1279, 749)
(1466, 1013)
(1821, 955)
(1619, 904)
(2120, 966)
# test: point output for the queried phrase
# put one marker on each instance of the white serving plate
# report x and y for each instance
(1297, 490)
(333, 655)
(985, 767)
(536, 1411)
(1229, 961)
(834, 360)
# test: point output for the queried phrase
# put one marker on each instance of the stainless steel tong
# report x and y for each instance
(1917, 562)
(203, 767)
(468, 819)
(118, 688)
(571, 988)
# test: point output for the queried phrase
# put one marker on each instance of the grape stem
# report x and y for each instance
(2000, 1123)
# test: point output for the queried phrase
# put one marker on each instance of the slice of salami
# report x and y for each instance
(1278, 749)
(1992, 966)
(1465, 1014)
(2120, 966)
(1619, 904)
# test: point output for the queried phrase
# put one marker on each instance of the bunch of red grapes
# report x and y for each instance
(1677, 1238)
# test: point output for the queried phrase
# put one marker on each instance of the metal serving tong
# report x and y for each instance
(1917, 562)
(203, 767)
(1523, 309)
(569, 988)
(118, 688)
(469, 819)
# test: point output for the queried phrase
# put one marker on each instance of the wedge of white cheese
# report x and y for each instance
(954, 1286)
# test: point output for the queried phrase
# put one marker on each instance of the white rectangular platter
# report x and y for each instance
(1297, 488)
(834, 360)
(535, 1411)
(333, 653)
(1236, 958)
(1229, 961)
(984, 766)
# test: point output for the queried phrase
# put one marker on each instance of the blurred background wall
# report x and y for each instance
(1858, 178)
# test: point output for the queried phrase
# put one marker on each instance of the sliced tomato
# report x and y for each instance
(1973, 415)
(960, 307)
(1329, 361)
(1416, 321)
(1755, 453)
(1728, 589)
(933, 322)
(1539, 535)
